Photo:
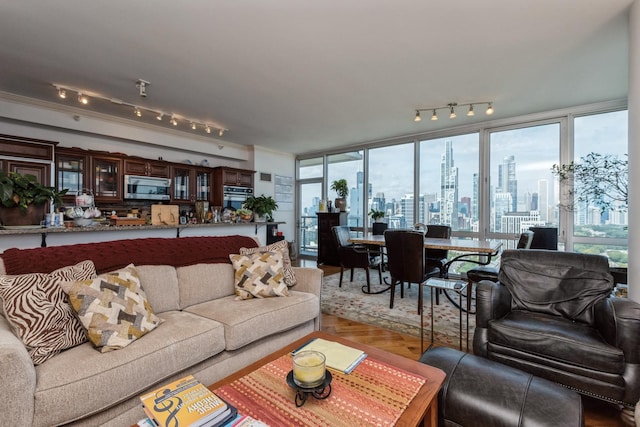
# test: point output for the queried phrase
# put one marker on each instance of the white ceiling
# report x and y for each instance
(302, 76)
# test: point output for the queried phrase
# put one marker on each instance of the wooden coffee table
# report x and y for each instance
(422, 410)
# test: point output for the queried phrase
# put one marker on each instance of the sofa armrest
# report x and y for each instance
(18, 379)
(308, 279)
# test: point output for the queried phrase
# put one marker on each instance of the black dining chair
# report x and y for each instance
(355, 256)
(378, 229)
(406, 261)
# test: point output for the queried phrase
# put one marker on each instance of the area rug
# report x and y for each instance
(349, 302)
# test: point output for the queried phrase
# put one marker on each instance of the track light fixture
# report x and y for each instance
(84, 96)
(451, 107)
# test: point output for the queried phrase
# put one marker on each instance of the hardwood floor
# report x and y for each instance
(597, 413)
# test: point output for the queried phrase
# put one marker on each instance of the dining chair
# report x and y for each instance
(378, 229)
(355, 256)
(436, 258)
(406, 261)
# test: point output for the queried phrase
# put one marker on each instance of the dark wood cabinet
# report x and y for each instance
(191, 184)
(143, 167)
(37, 155)
(327, 253)
(233, 176)
(107, 178)
(72, 172)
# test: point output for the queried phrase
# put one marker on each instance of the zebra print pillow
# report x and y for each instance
(39, 312)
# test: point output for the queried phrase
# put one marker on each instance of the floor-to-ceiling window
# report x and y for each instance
(391, 185)
(310, 173)
(521, 190)
(602, 228)
(449, 181)
(491, 181)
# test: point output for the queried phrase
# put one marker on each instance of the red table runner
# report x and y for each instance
(374, 394)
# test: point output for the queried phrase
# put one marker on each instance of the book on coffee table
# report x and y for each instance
(186, 403)
(338, 356)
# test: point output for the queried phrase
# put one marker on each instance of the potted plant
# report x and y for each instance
(23, 199)
(341, 188)
(263, 206)
(376, 215)
(245, 215)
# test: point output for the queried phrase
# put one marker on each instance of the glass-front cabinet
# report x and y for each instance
(191, 184)
(71, 173)
(106, 178)
(203, 185)
(181, 185)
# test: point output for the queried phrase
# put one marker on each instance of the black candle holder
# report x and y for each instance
(321, 392)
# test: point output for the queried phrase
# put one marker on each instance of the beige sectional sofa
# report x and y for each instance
(205, 331)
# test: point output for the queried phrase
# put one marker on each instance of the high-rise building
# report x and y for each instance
(543, 199)
(507, 182)
(448, 188)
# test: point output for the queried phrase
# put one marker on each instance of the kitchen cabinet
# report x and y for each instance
(107, 178)
(72, 172)
(191, 184)
(143, 167)
(232, 176)
(327, 248)
(27, 156)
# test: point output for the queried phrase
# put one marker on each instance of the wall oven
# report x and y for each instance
(234, 197)
(146, 188)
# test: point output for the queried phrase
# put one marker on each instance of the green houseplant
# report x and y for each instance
(262, 206)
(24, 199)
(341, 188)
(376, 214)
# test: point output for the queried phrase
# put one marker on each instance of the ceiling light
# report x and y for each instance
(490, 109)
(470, 113)
(137, 110)
(451, 107)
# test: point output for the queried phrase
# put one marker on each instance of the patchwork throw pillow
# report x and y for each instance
(259, 275)
(281, 246)
(113, 308)
(39, 312)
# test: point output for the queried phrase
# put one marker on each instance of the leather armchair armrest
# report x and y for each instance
(618, 320)
(493, 301)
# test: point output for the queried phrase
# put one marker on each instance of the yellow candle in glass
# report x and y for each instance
(309, 369)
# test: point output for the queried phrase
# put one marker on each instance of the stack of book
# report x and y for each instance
(186, 403)
(338, 356)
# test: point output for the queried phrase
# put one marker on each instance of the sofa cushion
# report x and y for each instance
(259, 275)
(161, 286)
(113, 308)
(246, 321)
(555, 338)
(81, 380)
(283, 247)
(204, 282)
(39, 312)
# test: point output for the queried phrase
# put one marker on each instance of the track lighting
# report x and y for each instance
(83, 98)
(470, 113)
(451, 107)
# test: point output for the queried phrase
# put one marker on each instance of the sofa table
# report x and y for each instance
(421, 410)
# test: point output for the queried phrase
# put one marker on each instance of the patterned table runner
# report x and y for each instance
(374, 394)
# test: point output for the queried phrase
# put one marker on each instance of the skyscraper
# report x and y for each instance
(507, 182)
(448, 187)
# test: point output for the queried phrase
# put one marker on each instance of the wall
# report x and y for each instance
(634, 150)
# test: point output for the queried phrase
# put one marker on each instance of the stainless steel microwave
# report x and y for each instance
(147, 188)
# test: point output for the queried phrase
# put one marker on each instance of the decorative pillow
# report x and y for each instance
(113, 308)
(282, 246)
(259, 275)
(39, 311)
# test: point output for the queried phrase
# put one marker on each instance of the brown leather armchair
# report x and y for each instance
(552, 314)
